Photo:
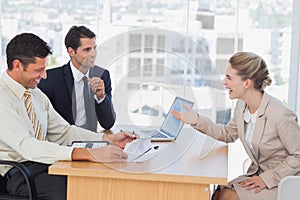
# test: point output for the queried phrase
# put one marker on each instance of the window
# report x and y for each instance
(135, 42)
(160, 65)
(184, 43)
(156, 50)
(147, 67)
(148, 43)
(160, 43)
(134, 67)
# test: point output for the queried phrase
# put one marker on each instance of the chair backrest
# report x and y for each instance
(288, 188)
(28, 179)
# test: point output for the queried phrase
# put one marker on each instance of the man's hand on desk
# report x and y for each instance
(120, 139)
(109, 153)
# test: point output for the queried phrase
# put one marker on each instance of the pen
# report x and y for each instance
(143, 153)
(133, 133)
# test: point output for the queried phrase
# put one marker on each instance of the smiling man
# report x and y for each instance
(80, 104)
(33, 133)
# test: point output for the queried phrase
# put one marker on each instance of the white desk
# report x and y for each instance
(175, 173)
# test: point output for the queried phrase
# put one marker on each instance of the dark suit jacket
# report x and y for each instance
(59, 86)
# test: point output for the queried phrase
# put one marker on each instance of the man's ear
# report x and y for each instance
(17, 65)
(71, 51)
(248, 83)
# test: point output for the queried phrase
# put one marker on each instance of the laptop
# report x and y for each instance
(171, 127)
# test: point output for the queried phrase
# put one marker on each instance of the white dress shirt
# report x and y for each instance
(250, 120)
(78, 87)
(17, 138)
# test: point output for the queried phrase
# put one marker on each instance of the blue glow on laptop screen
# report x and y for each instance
(171, 125)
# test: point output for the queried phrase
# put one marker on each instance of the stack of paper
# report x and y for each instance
(140, 150)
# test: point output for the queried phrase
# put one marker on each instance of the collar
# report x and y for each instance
(263, 105)
(17, 88)
(77, 74)
(248, 116)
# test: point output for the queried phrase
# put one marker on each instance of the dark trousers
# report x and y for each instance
(48, 187)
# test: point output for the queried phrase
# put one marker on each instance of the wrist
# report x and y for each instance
(98, 99)
(107, 137)
(197, 120)
(81, 154)
(100, 96)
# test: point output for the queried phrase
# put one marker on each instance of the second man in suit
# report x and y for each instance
(80, 91)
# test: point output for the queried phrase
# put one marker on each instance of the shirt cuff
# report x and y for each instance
(97, 100)
(268, 179)
(197, 122)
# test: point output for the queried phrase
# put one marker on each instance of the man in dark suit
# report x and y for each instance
(78, 101)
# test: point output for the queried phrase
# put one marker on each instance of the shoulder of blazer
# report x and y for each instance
(53, 75)
(58, 71)
(274, 107)
(67, 69)
(57, 76)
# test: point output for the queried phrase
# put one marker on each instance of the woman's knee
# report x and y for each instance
(215, 195)
(228, 194)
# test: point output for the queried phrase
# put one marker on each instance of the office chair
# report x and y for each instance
(288, 188)
(28, 178)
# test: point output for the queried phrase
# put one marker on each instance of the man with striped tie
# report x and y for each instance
(32, 132)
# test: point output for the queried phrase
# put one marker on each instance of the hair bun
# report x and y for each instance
(266, 83)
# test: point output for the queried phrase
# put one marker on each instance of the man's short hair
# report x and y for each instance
(74, 35)
(25, 47)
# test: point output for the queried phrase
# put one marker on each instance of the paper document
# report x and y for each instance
(140, 150)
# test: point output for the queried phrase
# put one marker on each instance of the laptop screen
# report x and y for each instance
(171, 125)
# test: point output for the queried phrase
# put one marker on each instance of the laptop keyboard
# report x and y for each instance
(158, 135)
(154, 133)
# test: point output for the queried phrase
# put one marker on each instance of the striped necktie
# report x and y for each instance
(32, 116)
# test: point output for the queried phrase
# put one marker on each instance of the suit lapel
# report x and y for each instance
(69, 79)
(241, 125)
(258, 133)
(260, 124)
(68, 76)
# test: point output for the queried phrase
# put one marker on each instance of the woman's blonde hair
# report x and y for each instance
(251, 66)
